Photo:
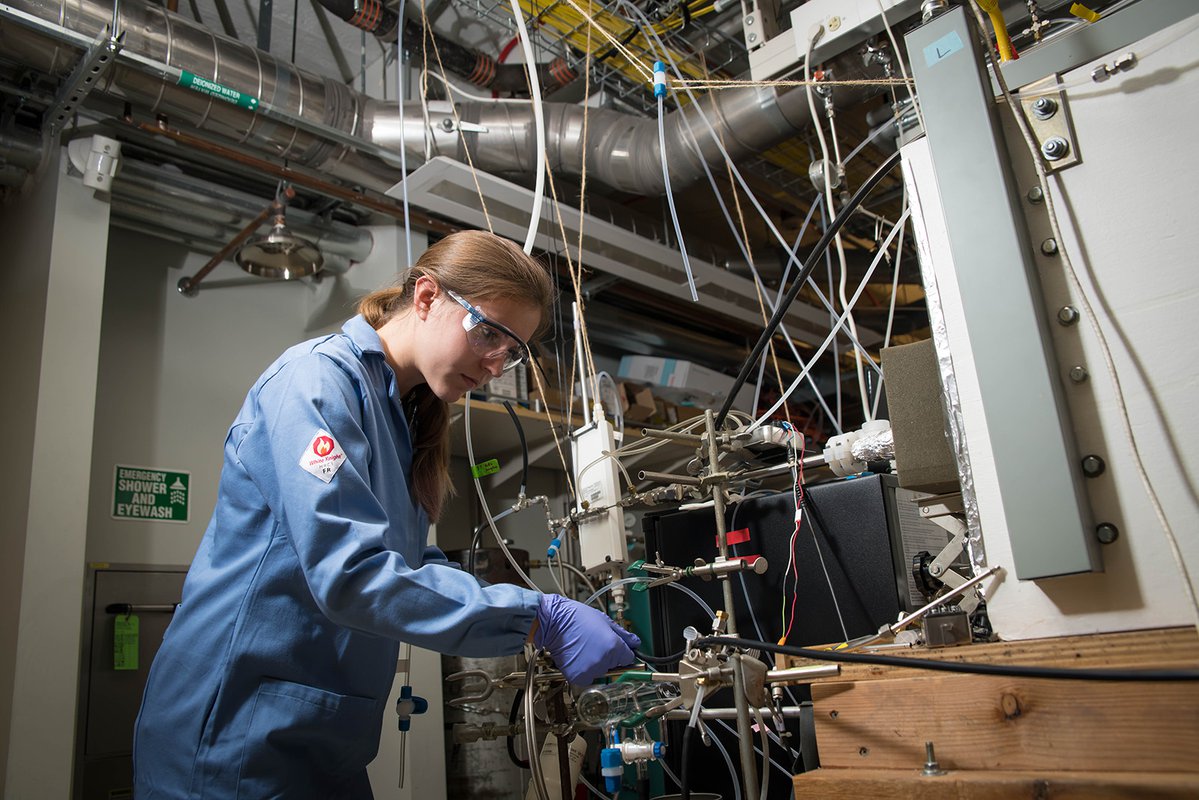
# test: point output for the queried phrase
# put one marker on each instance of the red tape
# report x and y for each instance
(736, 537)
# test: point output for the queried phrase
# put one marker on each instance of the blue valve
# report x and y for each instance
(407, 705)
(659, 79)
(612, 768)
(552, 551)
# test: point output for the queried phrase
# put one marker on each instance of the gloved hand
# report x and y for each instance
(584, 642)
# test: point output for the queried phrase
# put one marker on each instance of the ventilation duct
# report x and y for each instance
(621, 150)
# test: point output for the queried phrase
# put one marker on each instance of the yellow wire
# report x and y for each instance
(1002, 40)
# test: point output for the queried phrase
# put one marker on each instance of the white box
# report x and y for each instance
(512, 385)
(685, 382)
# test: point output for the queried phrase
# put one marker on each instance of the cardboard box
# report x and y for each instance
(641, 404)
(684, 382)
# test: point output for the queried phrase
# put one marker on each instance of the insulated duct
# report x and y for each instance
(20, 153)
(621, 149)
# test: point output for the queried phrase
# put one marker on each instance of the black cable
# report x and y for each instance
(520, 693)
(802, 278)
(475, 540)
(670, 659)
(524, 448)
(1006, 670)
(684, 785)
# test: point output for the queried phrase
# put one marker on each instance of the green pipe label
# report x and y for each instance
(486, 468)
(213, 89)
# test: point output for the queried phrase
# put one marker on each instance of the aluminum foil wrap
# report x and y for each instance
(877, 447)
(950, 398)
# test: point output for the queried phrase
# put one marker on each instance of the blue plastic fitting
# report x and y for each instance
(659, 749)
(659, 79)
(612, 768)
(407, 705)
(552, 551)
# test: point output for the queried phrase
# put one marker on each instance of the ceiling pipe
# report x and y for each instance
(621, 149)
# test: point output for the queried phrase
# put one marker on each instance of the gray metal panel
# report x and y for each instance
(1088, 42)
(1043, 499)
(109, 699)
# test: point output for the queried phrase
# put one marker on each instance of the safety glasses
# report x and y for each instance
(490, 339)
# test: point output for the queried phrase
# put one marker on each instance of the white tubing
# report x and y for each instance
(828, 195)
(674, 215)
(403, 148)
(891, 313)
(538, 119)
(824, 346)
(740, 178)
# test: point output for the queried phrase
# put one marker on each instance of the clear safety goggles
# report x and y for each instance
(489, 339)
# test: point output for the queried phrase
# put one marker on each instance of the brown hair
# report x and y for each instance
(477, 265)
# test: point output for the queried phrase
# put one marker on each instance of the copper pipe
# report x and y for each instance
(394, 210)
(188, 287)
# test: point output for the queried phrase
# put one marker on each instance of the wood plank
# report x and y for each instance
(1152, 649)
(891, 784)
(985, 722)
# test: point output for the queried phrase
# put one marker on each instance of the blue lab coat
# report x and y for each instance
(274, 674)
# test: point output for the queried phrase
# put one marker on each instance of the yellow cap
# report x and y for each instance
(1082, 12)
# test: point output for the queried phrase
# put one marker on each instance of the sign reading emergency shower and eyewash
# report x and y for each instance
(151, 494)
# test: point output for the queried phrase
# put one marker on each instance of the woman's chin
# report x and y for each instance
(449, 394)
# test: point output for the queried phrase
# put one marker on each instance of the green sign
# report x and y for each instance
(153, 495)
(213, 89)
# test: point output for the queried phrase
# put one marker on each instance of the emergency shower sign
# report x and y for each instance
(151, 494)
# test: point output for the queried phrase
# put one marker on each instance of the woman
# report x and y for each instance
(273, 676)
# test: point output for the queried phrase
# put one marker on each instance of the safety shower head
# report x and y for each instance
(280, 254)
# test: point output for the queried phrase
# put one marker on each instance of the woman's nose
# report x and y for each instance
(494, 365)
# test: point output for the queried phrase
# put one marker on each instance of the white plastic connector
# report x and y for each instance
(98, 158)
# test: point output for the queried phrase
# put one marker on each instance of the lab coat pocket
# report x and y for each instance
(307, 742)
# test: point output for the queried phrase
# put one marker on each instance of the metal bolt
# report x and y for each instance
(1035, 195)
(1079, 373)
(749, 20)
(863, 751)
(1055, 148)
(1067, 315)
(753, 37)
(833, 714)
(1093, 466)
(931, 767)
(1049, 247)
(1044, 107)
(447, 124)
(1106, 533)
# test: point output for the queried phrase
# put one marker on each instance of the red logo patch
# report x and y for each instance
(323, 446)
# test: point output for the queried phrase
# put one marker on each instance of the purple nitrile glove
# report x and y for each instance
(584, 642)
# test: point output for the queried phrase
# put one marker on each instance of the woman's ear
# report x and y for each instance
(424, 292)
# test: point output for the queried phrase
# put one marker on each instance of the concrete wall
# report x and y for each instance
(24, 276)
(53, 275)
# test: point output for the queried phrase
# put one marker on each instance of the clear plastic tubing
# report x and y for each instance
(639, 579)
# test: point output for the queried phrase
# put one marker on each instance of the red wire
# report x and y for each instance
(795, 537)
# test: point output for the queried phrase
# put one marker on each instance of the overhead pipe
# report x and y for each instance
(20, 150)
(479, 68)
(620, 148)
